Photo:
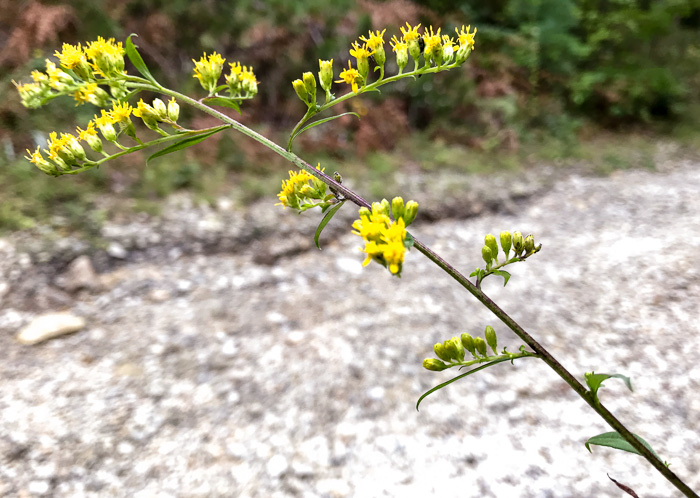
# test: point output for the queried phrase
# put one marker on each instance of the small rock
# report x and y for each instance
(79, 275)
(117, 251)
(48, 326)
(159, 295)
(277, 465)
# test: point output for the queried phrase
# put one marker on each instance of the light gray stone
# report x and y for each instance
(48, 326)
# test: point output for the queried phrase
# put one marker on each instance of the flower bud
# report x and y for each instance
(462, 54)
(490, 241)
(94, 142)
(364, 212)
(325, 74)
(459, 347)
(173, 110)
(410, 212)
(518, 243)
(491, 338)
(506, 242)
(159, 109)
(468, 343)
(440, 351)
(379, 56)
(487, 254)
(108, 131)
(301, 90)
(310, 85)
(529, 244)
(397, 208)
(381, 207)
(480, 346)
(450, 349)
(434, 364)
(74, 146)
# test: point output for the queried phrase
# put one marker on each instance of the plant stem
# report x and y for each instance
(451, 271)
(558, 368)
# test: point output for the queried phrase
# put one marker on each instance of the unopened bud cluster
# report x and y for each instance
(437, 50)
(522, 247)
(452, 352)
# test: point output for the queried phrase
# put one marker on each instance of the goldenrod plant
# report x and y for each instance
(95, 74)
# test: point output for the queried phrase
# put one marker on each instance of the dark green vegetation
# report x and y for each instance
(551, 80)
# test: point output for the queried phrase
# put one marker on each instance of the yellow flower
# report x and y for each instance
(375, 40)
(208, 70)
(120, 112)
(362, 55)
(91, 93)
(57, 79)
(87, 133)
(248, 81)
(401, 49)
(410, 34)
(301, 189)
(433, 45)
(384, 239)
(107, 56)
(466, 39)
(71, 56)
(31, 94)
(38, 160)
(352, 77)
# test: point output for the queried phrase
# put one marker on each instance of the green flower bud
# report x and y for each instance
(397, 208)
(506, 242)
(450, 349)
(480, 346)
(173, 110)
(414, 49)
(529, 244)
(434, 364)
(310, 85)
(382, 207)
(74, 146)
(159, 109)
(325, 74)
(108, 131)
(518, 243)
(491, 338)
(440, 351)
(490, 241)
(379, 56)
(459, 347)
(487, 254)
(462, 53)
(410, 212)
(364, 212)
(94, 142)
(301, 90)
(468, 343)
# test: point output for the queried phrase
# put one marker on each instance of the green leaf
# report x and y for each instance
(321, 121)
(595, 380)
(137, 60)
(614, 440)
(504, 274)
(224, 102)
(408, 241)
(184, 143)
(445, 384)
(325, 221)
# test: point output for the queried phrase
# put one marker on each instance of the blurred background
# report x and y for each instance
(220, 354)
(563, 82)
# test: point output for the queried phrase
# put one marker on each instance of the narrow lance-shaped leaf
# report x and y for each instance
(183, 144)
(325, 221)
(321, 121)
(224, 102)
(133, 54)
(614, 440)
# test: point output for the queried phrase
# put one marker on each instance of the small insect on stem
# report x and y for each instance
(339, 179)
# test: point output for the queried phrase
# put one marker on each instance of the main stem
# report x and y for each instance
(464, 282)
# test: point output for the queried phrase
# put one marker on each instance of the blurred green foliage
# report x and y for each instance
(542, 71)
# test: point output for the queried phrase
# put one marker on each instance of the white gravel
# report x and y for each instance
(224, 375)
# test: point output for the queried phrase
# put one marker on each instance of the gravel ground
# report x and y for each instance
(224, 356)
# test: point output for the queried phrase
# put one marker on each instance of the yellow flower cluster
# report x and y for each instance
(66, 152)
(241, 81)
(386, 240)
(100, 62)
(303, 191)
(437, 50)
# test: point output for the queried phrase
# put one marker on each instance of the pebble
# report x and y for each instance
(48, 326)
(117, 251)
(79, 275)
(276, 466)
